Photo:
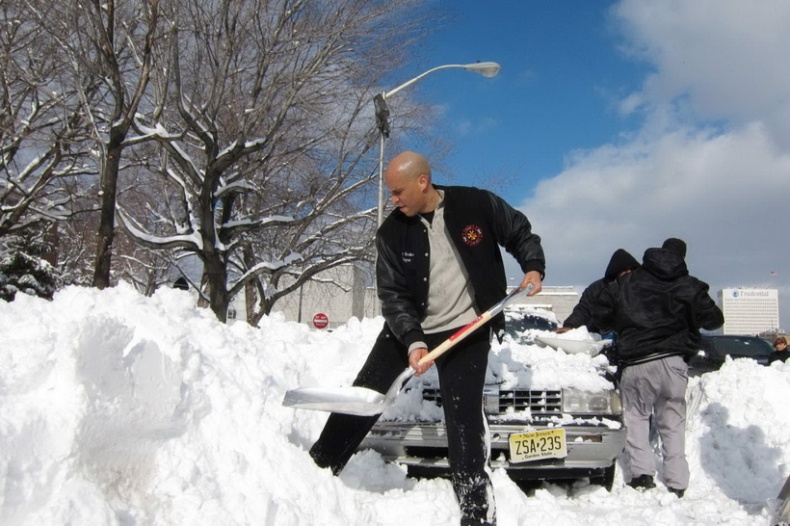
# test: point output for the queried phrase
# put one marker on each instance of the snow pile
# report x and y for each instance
(116, 409)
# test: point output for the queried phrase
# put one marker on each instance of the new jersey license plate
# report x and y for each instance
(537, 445)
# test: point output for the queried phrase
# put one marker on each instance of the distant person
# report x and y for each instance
(780, 353)
(439, 266)
(657, 311)
(620, 263)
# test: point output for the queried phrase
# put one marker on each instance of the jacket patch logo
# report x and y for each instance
(472, 235)
(406, 257)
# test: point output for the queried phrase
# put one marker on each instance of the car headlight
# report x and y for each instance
(581, 402)
(491, 399)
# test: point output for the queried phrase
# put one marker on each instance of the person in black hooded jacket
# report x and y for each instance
(657, 311)
(620, 263)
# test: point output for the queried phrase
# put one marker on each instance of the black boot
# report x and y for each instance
(642, 482)
(678, 492)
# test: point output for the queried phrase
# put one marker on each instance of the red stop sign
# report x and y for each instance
(320, 320)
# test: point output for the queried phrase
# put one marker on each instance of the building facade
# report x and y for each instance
(327, 301)
(345, 292)
(749, 311)
(559, 300)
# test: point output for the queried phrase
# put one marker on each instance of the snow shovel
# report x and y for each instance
(362, 401)
(783, 511)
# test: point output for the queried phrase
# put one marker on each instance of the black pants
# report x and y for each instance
(461, 379)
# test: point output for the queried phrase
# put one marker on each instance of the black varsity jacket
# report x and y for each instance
(479, 222)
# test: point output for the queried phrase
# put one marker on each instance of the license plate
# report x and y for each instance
(537, 445)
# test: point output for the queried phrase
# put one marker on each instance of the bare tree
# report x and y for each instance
(42, 132)
(262, 147)
(145, 268)
(107, 50)
(114, 38)
(335, 225)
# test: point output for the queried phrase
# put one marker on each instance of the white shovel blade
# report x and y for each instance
(591, 347)
(348, 400)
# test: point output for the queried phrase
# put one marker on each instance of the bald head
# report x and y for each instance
(408, 179)
(409, 165)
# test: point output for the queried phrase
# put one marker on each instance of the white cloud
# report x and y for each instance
(715, 191)
(728, 57)
(711, 163)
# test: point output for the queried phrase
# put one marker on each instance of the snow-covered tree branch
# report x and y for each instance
(264, 145)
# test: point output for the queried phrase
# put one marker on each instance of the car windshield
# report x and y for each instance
(518, 324)
(742, 347)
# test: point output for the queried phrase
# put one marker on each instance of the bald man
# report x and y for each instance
(439, 266)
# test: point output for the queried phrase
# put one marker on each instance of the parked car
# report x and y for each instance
(551, 415)
(716, 348)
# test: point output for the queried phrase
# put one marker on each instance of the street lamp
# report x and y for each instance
(487, 69)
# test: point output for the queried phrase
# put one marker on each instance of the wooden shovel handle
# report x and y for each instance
(472, 326)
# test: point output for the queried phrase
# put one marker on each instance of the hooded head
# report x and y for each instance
(676, 246)
(621, 261)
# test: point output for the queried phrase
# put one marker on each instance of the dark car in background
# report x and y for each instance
(536, 433)
(518, 324)
(716, 348)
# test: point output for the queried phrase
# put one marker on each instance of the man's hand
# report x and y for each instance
(414, 361)
(533, 276)
(560, 330)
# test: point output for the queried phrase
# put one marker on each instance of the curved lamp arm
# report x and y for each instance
(487, 69)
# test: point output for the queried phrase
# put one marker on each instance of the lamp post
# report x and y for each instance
(487, 69)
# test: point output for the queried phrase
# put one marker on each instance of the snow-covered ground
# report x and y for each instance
(116, 409)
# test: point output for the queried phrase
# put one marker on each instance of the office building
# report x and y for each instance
(749, 311)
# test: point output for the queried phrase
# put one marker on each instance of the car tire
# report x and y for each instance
(607, 478)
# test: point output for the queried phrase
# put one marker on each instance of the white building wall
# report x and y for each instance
(339, 293)
(559, 300)
(343, 292)
(749, 311)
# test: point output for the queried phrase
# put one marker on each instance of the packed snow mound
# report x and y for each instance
(119, 409)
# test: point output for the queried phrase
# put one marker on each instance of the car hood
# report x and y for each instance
(513, 365)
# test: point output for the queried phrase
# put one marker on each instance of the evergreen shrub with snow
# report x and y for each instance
(23, 270)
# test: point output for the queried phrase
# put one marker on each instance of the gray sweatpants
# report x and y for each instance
(657, 387)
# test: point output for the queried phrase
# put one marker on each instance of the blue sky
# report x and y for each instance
(619, 124)
(560, 74)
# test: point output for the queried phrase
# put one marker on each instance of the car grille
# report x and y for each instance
(538, 402)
